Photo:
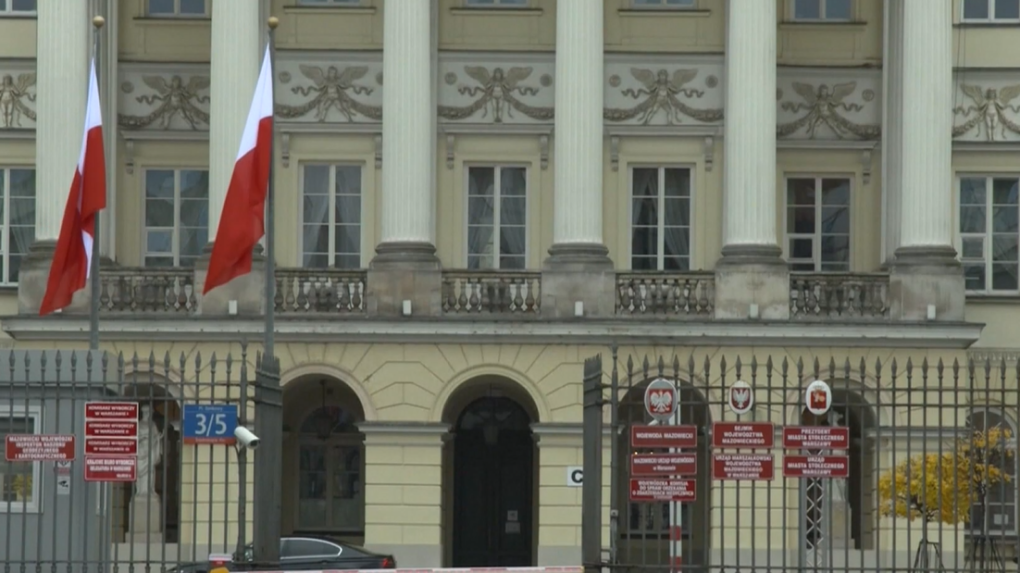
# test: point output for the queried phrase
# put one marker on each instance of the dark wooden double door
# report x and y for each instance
(493, 489)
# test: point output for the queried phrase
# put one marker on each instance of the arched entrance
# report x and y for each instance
(850, 502)
(644, 528)
(324, 460)
(490, 472)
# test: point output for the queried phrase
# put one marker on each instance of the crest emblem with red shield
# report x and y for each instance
(660, 399)
(741, 397)
(818, 398)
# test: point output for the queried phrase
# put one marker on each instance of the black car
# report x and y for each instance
(304, 553)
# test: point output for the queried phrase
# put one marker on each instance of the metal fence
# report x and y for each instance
(128, 463)
(787, 464)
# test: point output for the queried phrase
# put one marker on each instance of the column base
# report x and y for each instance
(35, 273)
(248, 290)
(923, 277)
(405, 271)
(578, 272)
(752, 282)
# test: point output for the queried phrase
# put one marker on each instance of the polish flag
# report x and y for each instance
(72, 259)
(243, 221)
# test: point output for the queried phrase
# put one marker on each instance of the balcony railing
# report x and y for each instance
(687, 295)
(839, 295)
(330, 291)
(492, 292)
(147, 290)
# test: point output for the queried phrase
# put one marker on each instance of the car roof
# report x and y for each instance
(347, 547)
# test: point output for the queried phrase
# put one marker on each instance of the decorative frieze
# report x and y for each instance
(333, 90)
(674, 93)
(17, 97)
(164, 98)
(840, 104)
(496, 92)
(986, 107)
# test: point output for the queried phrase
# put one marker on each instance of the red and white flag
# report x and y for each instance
(72, 259)
(243, 221)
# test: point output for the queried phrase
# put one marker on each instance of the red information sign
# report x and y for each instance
(39, 447)
(113, 429)
(664, 436)
(102, 468)
(663, 465)
(743, 435)
(111, 411)
(682, 490)
(816, 466)
(743, 467)
(816, 438)
(111, 447)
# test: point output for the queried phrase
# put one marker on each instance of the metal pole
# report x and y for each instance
(591, 492)
(242, 468)
(97, 24)
(268, 395)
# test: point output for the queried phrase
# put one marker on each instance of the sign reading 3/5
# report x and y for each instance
(209, 424)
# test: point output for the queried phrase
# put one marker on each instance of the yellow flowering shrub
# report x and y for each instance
(944, 486)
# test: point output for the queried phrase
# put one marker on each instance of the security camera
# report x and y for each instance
(246, 438)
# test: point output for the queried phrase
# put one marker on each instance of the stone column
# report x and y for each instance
(926, 278)
(237, 32)
(403, 490)
(64, 31)
(752, 280)
(405, 266)
(892, 128)
(578, 267)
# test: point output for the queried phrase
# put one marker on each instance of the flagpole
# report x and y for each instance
(97, 24)
(270, 288)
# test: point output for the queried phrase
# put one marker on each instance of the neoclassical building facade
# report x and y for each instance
(475, 196)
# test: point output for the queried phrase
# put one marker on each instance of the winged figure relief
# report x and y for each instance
(497, 93)
(989, 109)
(13, 94)
(826, 105)
(331, 89)
(661, 91)
(173, 98)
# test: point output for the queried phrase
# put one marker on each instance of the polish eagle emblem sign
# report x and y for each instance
(818, 398)
(741, 398)
(660, 399)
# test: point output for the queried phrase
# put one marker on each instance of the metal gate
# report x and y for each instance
(130, 464)
(786, 463)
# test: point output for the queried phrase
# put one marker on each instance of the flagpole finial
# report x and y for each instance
(98, 22)
(273, 22)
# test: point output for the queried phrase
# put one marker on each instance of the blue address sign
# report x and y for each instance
(209, 424)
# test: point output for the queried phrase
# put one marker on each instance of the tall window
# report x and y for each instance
(991, 11)
(994, 516)
(331, 495)
(497, 217)
(660, 219)
(19, 481)
(180, 8)
(332, 216)
(176, 216)
(818, 224)
(17, 7)
(17, 204)
(989, 208)
(810, 10)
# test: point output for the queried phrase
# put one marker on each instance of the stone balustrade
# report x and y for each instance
(676, 296)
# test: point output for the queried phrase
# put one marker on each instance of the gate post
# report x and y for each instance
(591, 487)
(268, 460)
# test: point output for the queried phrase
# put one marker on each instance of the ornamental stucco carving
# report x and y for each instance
(332, 95)
(662, 96)
(495, 93)
(987, 113)
(159, 98)
(828, 109)
(17, 99)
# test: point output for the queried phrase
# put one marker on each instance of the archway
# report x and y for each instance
(490, 475)
(151, 505)
(852, 522)
(324, 459)
(644, 528)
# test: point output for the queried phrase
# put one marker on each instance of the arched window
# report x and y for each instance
(996, 515)
(330, 466)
